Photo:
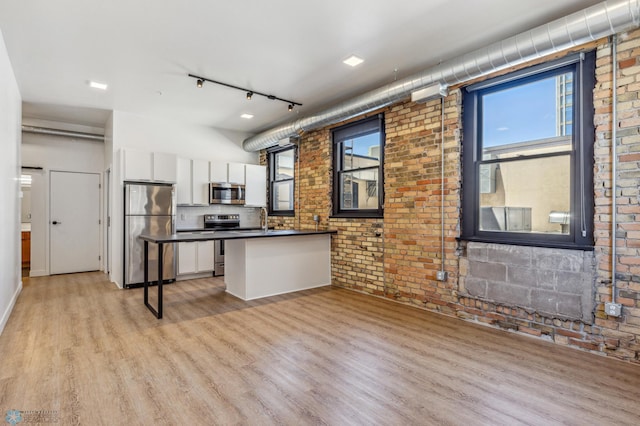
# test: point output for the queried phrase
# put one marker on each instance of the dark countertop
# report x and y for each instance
(184, 237)
(253, 228)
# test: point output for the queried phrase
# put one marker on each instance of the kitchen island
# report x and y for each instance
(260, 263)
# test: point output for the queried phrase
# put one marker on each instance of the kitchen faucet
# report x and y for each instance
(265, 226)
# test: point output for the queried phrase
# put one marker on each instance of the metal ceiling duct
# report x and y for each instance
(56, 132)
(602, 20)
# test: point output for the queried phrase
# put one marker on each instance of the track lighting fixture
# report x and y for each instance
(200, 82)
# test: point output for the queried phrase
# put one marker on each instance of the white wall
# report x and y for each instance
(10, 243)
(151, 134)
(53, 153)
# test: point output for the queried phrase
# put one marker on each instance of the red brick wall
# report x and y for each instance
(398, 256)
(622, 335)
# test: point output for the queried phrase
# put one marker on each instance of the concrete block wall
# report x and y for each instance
(555, 282)
(556, 295)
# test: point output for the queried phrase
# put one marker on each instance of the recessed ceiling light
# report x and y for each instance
(353, 60)
(96, 85)
(247, 116)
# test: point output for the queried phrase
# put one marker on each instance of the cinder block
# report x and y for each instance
(488, 271)
(511, 255)
(573, 283)
(557, 259)
(544, 300)
(476, 286)
(508, 293)
(477, 251)
(531, 277)
(570, 305)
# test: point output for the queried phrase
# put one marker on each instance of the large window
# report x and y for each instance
(528, 156)
(281, 181)
(358, 168)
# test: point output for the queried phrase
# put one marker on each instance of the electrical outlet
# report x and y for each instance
(442, 275)
(316, 218)
(613, 309)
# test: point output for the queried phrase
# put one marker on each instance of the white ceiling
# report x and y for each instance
(292, 49)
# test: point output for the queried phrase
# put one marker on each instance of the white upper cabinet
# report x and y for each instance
(255, 185)
(200, 182)
(164, 167)
(235, 173)
(218, 172)
(137, 165)
(193, 182)
(183, 184)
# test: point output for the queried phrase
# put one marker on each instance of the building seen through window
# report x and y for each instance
(531, 161)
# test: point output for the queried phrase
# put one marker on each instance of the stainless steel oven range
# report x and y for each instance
(220, 222)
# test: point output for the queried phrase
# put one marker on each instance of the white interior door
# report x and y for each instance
(74, 222)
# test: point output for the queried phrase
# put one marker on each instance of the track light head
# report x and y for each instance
(249, 95)
(199, 83)
(290, 107)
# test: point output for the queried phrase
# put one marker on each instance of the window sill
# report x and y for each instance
(282, 214)
(528, 243)
(356, 215)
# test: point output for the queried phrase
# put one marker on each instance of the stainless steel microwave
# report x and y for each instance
(226, 193)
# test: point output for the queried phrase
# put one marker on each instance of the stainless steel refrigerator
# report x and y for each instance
(149, 208)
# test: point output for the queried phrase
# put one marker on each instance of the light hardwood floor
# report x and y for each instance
(90, 354)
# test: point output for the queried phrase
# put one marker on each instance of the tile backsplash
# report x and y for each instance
(192, 217)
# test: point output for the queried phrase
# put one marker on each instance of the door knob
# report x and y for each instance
(55, 222)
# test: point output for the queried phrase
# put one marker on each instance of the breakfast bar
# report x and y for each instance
(261, 263)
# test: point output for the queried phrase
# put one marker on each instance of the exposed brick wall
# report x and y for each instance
(413, 190)
(622, 334)
(398, 256)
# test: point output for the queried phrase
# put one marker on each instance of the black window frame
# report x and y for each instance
(272, 153)
(581, 155)
(366, 126)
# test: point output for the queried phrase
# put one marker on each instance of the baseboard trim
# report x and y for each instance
(7, 312)
(38, 273)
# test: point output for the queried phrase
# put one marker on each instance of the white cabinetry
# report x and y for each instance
(164, 167)
(183, 186)
(193, 182)
(255, 185)
(200, 182)
(186, 258)
(218, 172)
(235, 173)
(137, 165)
(148, 166)
(204, 253)
(195, 257)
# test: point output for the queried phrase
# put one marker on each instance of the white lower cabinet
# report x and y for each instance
(195, 257)
(205, 255)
